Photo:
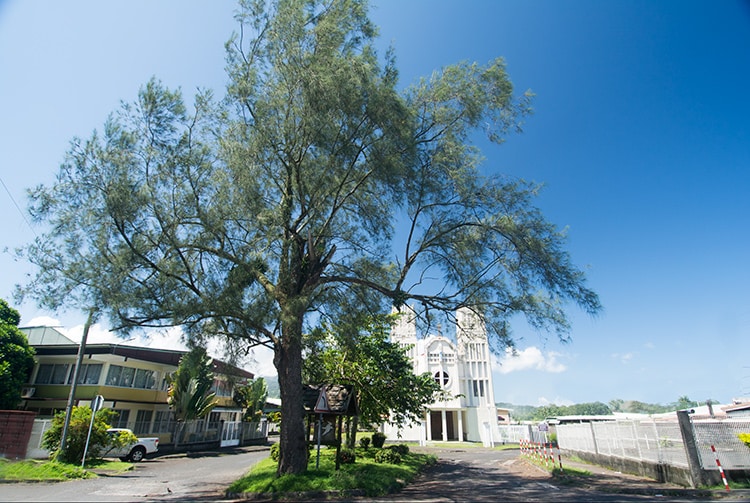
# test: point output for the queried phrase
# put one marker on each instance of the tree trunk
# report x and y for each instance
(351, 432)
(288, 361)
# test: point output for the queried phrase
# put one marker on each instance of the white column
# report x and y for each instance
(428, 422)
(445, 425)
(460, 425)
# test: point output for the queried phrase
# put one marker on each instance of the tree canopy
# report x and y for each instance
(315, 187)
(359, 353)
(16, 357)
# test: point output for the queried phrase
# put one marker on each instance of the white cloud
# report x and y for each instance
(530, 358)
(42, 321)
(623, 357)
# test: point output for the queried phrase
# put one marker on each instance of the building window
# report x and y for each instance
(163, 421)
(88, 374)
(442, 378)
(52, 373)
(221, 387)
(142, 421)
(128, 377)
(120, 419)
(478, 388)
(213, 420)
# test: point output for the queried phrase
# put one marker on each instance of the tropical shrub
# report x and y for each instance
(347, 456)
(78, 431)
(388, 456)
(401, 449)
(364, 443)
(378, 439)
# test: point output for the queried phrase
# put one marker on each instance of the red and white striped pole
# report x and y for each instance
(721, 470)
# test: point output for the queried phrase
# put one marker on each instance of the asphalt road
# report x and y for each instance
(461, 475)
(202, 477)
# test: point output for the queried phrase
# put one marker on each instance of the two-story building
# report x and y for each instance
(133, 382)
(462, 367)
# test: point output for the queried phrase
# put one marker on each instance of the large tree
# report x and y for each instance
(16, 357)
(314, 187)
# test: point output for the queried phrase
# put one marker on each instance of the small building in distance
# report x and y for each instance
(462, 367)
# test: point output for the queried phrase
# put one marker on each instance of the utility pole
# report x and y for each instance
(74, 383)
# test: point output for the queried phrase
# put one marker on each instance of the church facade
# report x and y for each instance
(462, 367)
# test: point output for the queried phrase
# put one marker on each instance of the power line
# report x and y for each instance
(23, 215)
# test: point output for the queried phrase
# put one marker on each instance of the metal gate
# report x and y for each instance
(230, 433)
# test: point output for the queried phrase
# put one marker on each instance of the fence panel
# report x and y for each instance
(733, 454)
(513, 433)
(639, 440)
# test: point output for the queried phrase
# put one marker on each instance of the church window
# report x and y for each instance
(442, 378)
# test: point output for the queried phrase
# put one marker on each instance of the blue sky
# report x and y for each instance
(641, 136)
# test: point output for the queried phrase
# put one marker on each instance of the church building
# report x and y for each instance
(462, 367)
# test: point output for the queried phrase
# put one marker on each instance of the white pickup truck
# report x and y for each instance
(132, 452)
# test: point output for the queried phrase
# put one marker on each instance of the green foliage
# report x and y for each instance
(190, 395)
(356, 351)
(401, 449)
(16, 357)
(242, 217)
(388, 456)
(580, 409)
(531, 413)
(364, 443)
(78, 430)
(347, 456)
(744, 438)
(378, 439)
(252, 398)
(374, 479)
(275, 452)
(33, 470)
(274, 417)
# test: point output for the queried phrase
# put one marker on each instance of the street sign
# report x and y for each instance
(97, 403)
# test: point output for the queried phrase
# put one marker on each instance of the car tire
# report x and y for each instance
(137, 454)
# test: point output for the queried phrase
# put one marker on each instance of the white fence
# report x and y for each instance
(723, 435)
(660, 441)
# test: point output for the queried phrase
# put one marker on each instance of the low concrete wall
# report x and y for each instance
(658, 471)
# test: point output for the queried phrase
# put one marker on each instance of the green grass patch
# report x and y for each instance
(33, 470)
(36, 470)
(365, 476)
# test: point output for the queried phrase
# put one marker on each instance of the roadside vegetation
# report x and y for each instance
(36, 470)
(365, 476)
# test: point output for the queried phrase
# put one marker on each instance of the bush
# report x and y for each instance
(401, 449)
(347, 456)
(745, 438)
(275, 454)
(77, 433)
(364, 442)
(378, 439)
(388, 456)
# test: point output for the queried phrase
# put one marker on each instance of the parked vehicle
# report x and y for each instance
(134, 452)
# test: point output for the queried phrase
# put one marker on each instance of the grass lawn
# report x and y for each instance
(34, 470)
(365, 476)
